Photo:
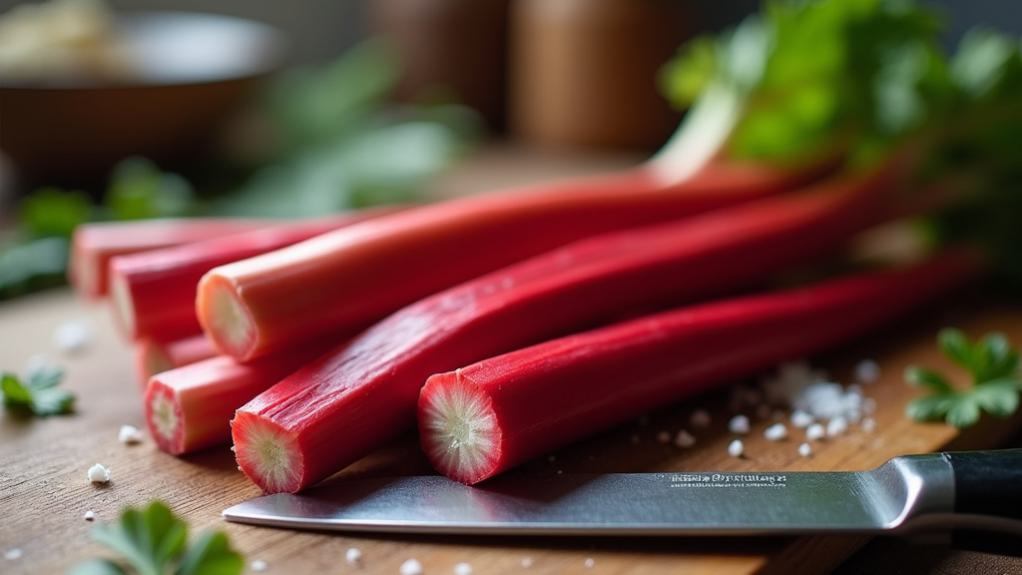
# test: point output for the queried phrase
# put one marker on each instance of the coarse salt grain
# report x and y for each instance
(89, 515)
(129, 435)
(700, 418)
(663, 437)
(775, 432)
(869, 425)
(867, 371)
(12, 554)
(805, 450)
(258, 565)
(736, 448)
(353, 556)
(801, 419)
(815, 432)
(738, 424)
(589, 563)
(411, 567)
(462, 569)
(527, 562)
(98, 473)
(684, 439)
(72, 336)
(837, 426)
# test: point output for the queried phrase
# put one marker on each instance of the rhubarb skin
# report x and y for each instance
(366, 391)
(190, 408)
(361, 273)
(154, 356)
(153, 292)
(93, 245)
(487, 417)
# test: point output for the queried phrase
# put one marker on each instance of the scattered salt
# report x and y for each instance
(837, 426)
(684, 439)
(258, 565)
(815, 432)
(98, 473)
(776, 432)
(700, 418)
(12, 554)
(590, 563)
(801, 419)
(462, 569)
(663, 437)
(805, 450)
(736, 448)
(72, 336)
(353, 556)
(527, 562)
(869, 425)
(89, 515)
(738, 424)
(411, 567)
(129, 435)
(867, 371)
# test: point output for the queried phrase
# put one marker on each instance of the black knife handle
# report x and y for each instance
(988, 482)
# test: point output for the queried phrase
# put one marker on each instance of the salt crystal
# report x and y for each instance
(805, 450)
(867, 371)
(411, 567)
(12, 554)
(700, 418)
(815, 432)
(98, 473)
(736, 448)
(663, 437)
(801, 419)
(836, 426)
(89, 515)
(258, 565)
(684, 439)
(775, 432)
(129, 435)
(353, 556)
(72, 336)
(462, 569)
(739, 424)
(590, 563)
(527, 562)
(869, 425)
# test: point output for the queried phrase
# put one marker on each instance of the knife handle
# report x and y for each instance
(988, 482)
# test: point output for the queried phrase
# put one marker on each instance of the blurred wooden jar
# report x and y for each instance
(584, 72)
(458, 46)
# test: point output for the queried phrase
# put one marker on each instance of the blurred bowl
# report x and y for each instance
(191, 71)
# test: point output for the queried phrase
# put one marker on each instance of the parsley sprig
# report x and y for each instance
(153, 541)
(996, 381)
(37, 393)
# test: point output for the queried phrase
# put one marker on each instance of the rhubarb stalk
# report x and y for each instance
(366, 391)
(158, 356)
(154, 292)
(481, 419)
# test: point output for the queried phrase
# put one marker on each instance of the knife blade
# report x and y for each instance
(907, 493)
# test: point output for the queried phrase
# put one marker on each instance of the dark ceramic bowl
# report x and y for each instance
(192, 71)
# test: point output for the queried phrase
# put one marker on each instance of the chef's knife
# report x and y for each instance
(981, 489)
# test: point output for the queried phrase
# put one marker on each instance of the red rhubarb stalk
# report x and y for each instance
(93, 245)
(484, 418)
(156, 357)
(366, 391)
(353, 276)
(154, 292)
(189, 408)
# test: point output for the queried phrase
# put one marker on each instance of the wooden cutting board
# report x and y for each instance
(44, 492)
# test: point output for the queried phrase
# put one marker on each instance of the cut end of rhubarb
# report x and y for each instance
(225, 318)
(163, 417)
(266, 453)
(151, 360)
(458, 428)
(123, 308)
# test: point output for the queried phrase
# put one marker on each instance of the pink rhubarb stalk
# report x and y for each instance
(158, 356)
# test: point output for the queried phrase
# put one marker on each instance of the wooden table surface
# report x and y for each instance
(44, 492)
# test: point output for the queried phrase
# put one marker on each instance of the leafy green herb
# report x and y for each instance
(52, 212)
(139, 190)
(37, 393)
(996, 381)
(153, 541)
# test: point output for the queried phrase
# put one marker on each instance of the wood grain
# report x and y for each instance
(44, 493)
